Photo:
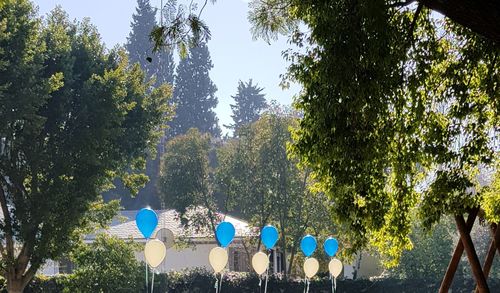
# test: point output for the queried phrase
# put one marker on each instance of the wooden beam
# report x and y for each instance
(457, 254)
(471, 255)
(480, 16)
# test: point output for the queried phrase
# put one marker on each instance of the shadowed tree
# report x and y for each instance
(161, 69)
(194, 95)
(249, 104)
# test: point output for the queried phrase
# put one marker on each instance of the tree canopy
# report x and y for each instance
(265, 186)
(194, 94)
(73, 117)
(400, 112)
(249, 104)
(186, 183)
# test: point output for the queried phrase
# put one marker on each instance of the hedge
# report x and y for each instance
(194, 281)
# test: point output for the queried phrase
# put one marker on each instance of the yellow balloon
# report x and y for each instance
(311, 267)
(335, 267)
(260, 262)
(218, 259)
(155, 252)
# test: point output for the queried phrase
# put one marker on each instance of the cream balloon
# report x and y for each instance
(260, 262)
(218, 259)
(155, 252)
(311, 267)
(335, 267)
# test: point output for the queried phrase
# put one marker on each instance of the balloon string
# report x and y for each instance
(153, 282)
(331, 279)
(335, 281)
(216, 284)
(267, 278)
(147, 286)
(220, 284)
(308, 282)
(305, 284)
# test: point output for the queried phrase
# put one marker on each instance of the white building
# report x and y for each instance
(191, 248)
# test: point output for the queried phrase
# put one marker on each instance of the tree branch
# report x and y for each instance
(8, 224)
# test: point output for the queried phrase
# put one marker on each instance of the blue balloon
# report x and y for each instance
(331, 246)
(308, 245)
(224, 233)
(146, 220)
(269, 236)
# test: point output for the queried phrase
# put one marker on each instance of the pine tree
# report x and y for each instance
(139, 45)
(194, 95)
(249, 103)
(161, 68)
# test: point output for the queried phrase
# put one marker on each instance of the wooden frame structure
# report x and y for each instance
(465, 243)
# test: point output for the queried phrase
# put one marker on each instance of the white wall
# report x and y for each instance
(50, 268)
(184, 258)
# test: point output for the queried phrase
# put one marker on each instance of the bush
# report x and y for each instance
(197, 281)
(106, 265)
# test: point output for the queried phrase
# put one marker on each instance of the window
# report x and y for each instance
(65, 266)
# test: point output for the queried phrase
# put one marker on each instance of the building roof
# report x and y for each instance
(123, 226)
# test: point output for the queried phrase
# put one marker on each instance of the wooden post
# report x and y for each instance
(488, 262)
(457, 254)
(471, 255)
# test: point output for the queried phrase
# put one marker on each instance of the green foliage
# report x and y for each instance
(430, 255)
(203, 281)
(182, 30)
(185, 179)
(161, 70)
(74, 117)
(106, 265)
(491, 200)
(194, 94)
(249, 104)
(265, 186)
(140, 46)
(393, 102)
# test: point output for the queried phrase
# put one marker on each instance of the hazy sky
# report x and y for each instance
(234, 54)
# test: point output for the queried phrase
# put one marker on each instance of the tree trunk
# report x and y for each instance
(457, 254)
(471, 255)
(14, 283)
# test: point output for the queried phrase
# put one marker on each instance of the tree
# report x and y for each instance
(265, 186)
(429, 257)
(185, 182)
(194, 95)
(161, 68)
(140, 46)
(400, 115)
(249, 104)
(73, 117)
(106, 265)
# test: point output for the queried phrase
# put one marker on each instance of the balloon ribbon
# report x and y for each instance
(220, 284)
(147, 286)
(153, 282)
(216, 286)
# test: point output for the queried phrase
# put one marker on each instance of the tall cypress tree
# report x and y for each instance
(194, 95)
(249, 103)
(139, 45)
(161, 68)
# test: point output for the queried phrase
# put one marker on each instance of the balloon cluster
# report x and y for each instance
(260, 261)
(218, 257)
(308, 245)
(155, 250)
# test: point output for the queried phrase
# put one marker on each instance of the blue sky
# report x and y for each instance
(234, 54)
